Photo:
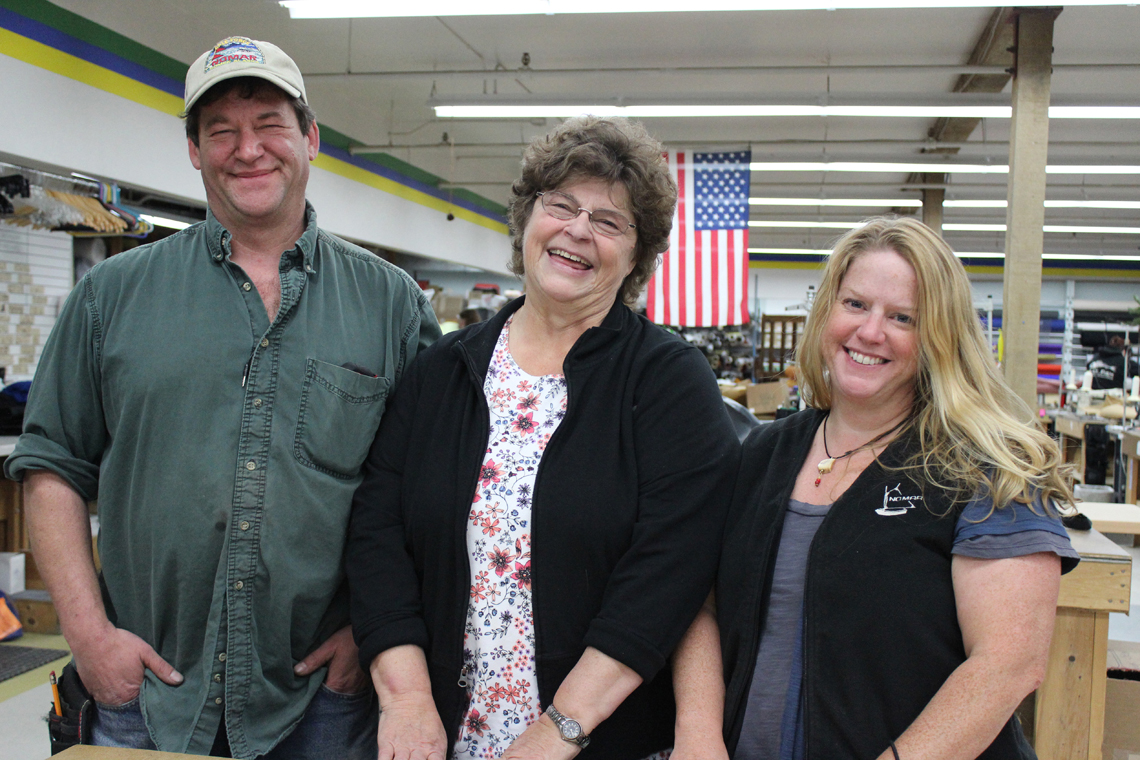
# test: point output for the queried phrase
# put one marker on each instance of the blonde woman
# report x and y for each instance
(893, 554)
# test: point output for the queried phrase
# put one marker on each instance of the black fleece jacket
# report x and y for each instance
(628, 507)
(881, 631)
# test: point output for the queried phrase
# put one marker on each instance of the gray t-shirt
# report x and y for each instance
(760, 735)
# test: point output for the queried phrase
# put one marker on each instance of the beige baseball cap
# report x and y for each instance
(243, 57)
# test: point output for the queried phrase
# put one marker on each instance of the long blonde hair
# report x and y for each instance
(976, 435)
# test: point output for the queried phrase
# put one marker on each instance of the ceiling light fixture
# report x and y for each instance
(387, 9)
(914, 203)
(162, 221)
(1067, 228)
(959, 254)
(554, 111)
(930, 167)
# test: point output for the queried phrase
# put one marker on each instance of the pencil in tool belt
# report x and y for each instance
(55, 694)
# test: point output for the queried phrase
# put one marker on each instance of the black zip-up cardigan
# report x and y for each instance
(881, 631)
(628, 507)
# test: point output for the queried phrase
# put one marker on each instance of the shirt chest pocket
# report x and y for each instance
(340, 411)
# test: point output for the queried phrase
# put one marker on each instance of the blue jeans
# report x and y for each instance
(335, 726)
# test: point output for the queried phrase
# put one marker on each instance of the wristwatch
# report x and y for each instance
(570, 729)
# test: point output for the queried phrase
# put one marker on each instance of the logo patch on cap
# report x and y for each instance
(233, 50)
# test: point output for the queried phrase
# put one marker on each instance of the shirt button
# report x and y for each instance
(222, 657)
(239, 585)
(251, 465)
(217, 700)
(246, 286)
(257, 402)
(244, 525)
(264, 342)
(217, 678)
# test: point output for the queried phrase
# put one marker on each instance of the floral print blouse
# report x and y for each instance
(498, 645)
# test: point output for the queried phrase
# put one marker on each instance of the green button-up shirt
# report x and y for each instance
(224, 451)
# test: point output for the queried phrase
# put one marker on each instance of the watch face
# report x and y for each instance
(571, 729)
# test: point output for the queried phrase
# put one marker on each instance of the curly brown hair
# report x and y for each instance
(616, 151)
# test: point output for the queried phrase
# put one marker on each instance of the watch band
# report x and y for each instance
(570, 729)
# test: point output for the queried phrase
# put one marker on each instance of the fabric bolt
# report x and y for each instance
(223, 450)
(703, 277)
(624, 499)
(498, 644)
(882, 552)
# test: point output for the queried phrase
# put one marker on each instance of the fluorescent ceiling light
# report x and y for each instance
(708, 111)
(959, 254)
(1077, 229)
(1070, 228)
(857, 202)
(161, 221)
(813, 225)
(388, 9)
(914, 203)
(930, 168)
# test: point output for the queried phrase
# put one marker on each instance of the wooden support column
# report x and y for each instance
(1025, 218)
(932, 200)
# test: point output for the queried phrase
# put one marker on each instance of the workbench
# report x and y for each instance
(1069, 713)
(1130, 447)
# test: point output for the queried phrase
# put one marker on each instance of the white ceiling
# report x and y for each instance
(372, 79)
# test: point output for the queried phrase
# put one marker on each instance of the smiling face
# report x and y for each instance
(871, 337)
(254, 159)
(570, 265)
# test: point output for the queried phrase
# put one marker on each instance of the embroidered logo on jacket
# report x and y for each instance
(894, 503)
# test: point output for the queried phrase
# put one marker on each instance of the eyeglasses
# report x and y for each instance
(604, 221)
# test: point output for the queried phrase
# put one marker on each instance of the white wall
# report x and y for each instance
(36, 274)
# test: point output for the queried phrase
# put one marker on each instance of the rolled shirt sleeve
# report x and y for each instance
(64, 428)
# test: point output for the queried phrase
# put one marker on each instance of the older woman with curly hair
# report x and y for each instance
(540, 514)
(892, 555)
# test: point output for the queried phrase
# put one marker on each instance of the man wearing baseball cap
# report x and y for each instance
(216, 392)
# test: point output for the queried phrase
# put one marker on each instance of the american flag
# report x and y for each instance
(702, 280)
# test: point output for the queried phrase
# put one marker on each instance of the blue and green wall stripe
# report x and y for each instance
(45, 35)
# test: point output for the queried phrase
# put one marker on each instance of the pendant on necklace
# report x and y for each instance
(824, 467)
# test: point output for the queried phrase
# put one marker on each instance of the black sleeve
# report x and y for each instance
(686, 454)
(385, 604)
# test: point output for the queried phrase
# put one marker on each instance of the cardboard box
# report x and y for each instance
(1121, 729)
(447, 307)
(766, 398)
(735, 392)
(12, 572)
(36, 611)
(1122, 702)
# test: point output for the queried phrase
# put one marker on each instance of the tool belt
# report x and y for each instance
(74, 726)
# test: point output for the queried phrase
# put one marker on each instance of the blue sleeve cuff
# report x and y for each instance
(979, 518)
(1003, 546)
